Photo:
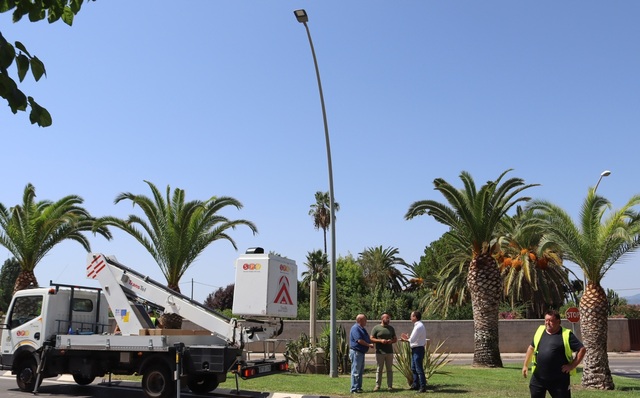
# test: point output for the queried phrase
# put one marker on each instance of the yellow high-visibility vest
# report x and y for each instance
(565, 339)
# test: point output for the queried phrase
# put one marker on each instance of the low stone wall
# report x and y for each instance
(515, 335)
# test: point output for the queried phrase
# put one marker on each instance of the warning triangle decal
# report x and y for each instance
(283, 296)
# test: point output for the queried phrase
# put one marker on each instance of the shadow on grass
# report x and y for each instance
(448, 388)
(627, 389)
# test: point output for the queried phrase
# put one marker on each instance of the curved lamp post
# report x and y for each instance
(605, 173)
(301, 16)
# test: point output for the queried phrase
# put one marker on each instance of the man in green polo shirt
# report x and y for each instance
(384, 335)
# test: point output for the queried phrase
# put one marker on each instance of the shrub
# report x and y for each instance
(433, 362)
(342, 348)
(300, 354)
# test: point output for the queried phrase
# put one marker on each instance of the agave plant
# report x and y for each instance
(433, 362)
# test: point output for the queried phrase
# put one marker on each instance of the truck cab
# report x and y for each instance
(39, 314)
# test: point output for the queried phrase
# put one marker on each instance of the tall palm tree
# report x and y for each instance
(176, 232)
(473, 217)
(379, 268)
(321, 214)
(595, 244)
(30, 230)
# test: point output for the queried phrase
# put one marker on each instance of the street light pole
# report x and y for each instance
(605, 173)
(301, 16)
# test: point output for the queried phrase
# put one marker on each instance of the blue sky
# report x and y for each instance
(220, 98)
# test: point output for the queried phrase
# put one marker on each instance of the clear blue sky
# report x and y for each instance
(220, 98)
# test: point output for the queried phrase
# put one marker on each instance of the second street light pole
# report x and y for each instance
(301, 16)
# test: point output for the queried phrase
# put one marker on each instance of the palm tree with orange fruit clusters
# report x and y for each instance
(531, 274)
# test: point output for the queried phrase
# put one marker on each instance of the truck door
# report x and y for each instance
(24, 324)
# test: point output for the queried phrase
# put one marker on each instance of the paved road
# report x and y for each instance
(621, 364)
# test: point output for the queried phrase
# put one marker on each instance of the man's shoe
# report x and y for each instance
(414, 387)
(359, 391)
(376, 388)
(422, 389)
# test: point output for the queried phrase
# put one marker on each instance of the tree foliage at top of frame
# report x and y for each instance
(35, 10)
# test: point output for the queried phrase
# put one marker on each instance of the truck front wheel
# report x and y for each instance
(203, 384)
(26, 374)
(157, 382)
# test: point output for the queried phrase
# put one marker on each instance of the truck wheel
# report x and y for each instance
(26, 375)
(157, 382)
(82, 380)
(203, 384)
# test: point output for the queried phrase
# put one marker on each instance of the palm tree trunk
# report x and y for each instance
(324, 230)
(25, 280)
(485, 286)
(171, 321)
(593, 324)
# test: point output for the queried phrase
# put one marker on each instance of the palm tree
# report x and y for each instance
(318, 267)
(595, 244)
(321, 214)
(378, 268)
(473, 217)
(533, 276)
(176, 231)
(30, 230)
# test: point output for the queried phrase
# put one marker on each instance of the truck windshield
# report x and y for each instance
(25, 309)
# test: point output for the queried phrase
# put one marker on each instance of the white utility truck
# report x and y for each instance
(64, 329)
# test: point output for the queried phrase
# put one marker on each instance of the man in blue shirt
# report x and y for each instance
(359, 344)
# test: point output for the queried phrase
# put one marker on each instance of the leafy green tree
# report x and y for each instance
(379, 268)
(350, 289)
(473, 216)
(321, 214)
(30, 230)
(176, 232)
(443, 271)
(398, 304)
(614, 300)
(595, 244)
(52, 10)
(8, 276)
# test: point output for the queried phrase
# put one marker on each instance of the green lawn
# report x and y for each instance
(463, 381)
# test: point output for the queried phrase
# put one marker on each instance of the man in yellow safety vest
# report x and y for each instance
(552, 351)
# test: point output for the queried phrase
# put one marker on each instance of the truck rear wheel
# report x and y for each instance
(203, 384)
(82, 380)
(26, 374)
(157, 382)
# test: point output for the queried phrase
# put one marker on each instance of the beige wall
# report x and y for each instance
(515, 335)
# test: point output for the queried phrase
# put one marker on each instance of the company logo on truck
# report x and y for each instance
(251, 267)
(283, 296)
(136, 286)
(285, 268)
